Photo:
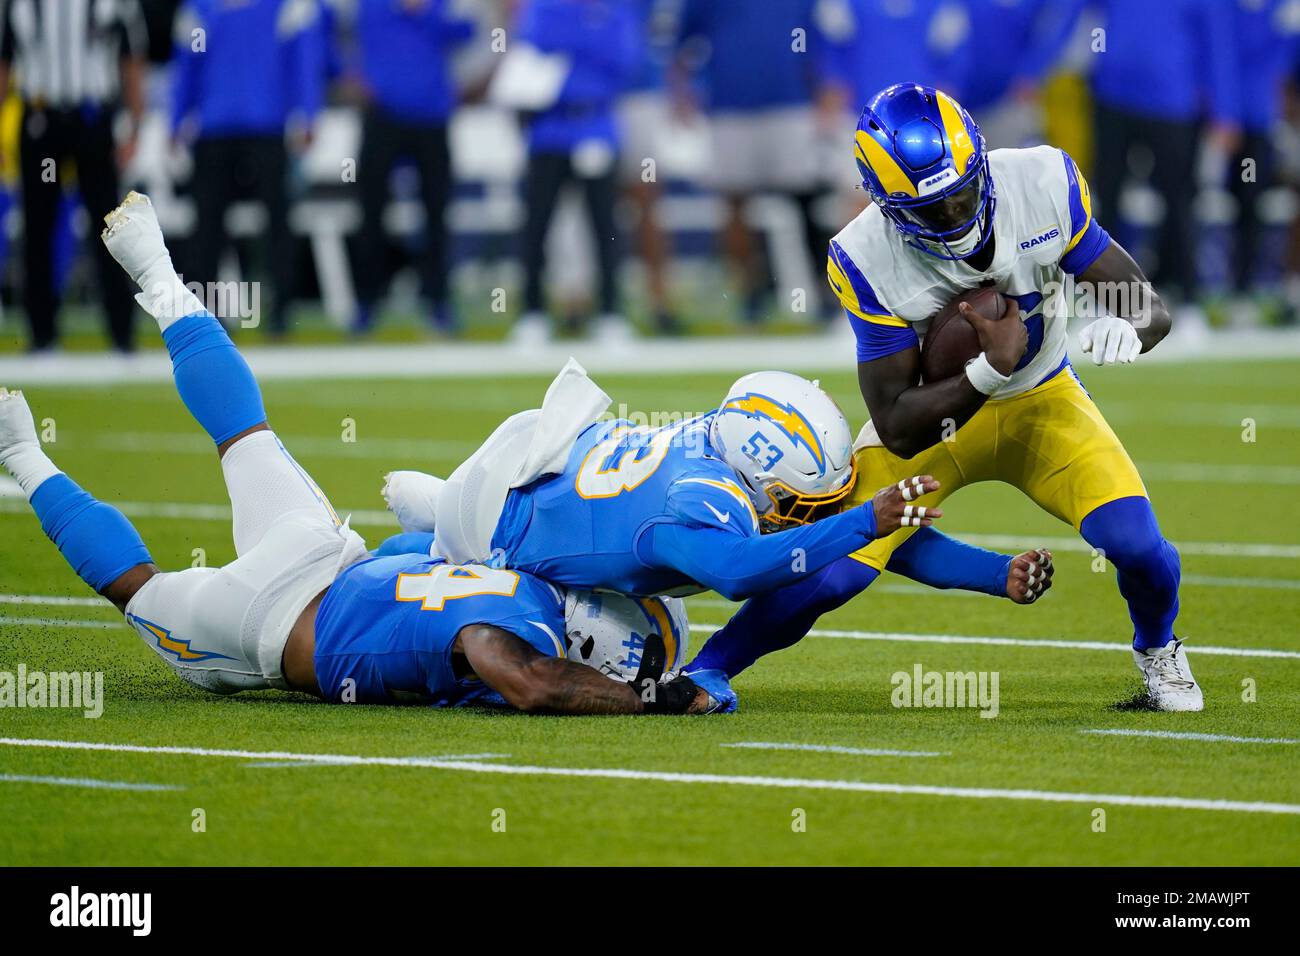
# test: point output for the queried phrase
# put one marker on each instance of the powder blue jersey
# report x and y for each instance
(583, 526)
(388, 625)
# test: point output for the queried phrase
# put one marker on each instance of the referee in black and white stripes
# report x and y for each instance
(75, 63)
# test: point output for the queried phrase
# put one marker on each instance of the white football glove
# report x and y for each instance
(1111, 340)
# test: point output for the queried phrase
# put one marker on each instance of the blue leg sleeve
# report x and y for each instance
(933, 558)
(1146, 565)
(781, 618)
(213, 380)
(95, 538)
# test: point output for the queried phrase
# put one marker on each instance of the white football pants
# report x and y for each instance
(224, 629)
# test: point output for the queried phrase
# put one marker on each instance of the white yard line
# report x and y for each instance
(921, 590)
(1040, 643)
(395, 450)
(58, 622)
(1218, 581)
(202, 512)
(85, 782)
(311, 762)
(826, 632)
(453, 360)
(615, 773)
(1187, 735)
(54, 600)
(1215, 549)
(1197, 473)
(834, 749)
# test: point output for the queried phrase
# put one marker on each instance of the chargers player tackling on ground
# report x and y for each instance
(304, 606)
(685, 507)
(946, 216)
(692, 506)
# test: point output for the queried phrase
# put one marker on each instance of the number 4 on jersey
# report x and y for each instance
(446, 582)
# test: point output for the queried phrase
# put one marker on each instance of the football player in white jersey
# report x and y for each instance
(947, 216)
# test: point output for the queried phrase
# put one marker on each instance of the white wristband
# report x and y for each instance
(984, 376)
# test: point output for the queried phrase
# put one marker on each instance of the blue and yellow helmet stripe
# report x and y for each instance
(656, 611)
(915, 146)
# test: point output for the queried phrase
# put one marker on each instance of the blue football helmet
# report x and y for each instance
(924, 162)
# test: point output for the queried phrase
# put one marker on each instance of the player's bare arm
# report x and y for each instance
(910, 416)
(1150, 316)
(535, 683)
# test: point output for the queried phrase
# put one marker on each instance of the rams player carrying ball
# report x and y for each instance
(948, 216)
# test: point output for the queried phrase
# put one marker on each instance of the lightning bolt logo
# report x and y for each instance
(786, 417)
(658, 614)
(177, 647)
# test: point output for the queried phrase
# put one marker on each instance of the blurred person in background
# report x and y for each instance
(877, 43)
(760, 74)
(644, 119)
(1165, 69)
(403, 47)
(248, 76)
(1268, 39)
(1003, 91)
(873, 44)
(576, 139)
(76, 63)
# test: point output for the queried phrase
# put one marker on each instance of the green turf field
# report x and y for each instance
(1232, 504)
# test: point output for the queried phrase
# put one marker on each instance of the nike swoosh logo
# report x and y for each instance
(723, 516)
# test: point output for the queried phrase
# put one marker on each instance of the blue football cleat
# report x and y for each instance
(723, 699)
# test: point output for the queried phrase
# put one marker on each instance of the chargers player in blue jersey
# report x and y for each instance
(724, 501)
(304, 606)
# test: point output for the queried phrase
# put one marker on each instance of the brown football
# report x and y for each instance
(950, 341)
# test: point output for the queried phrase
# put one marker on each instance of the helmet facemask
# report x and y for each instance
(791, 508)
(954, 224)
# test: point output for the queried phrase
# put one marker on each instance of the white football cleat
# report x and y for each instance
(20, 450)
(133, 236)
(1168, 677)
(17, 427)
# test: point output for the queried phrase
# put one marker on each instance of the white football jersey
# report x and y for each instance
(1042, 228)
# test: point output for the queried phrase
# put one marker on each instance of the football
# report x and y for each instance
(950, 341)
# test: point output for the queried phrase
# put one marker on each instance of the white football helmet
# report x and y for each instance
(608, 631)
(789, 443)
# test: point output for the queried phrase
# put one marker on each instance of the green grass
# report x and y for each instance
(824, 691)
